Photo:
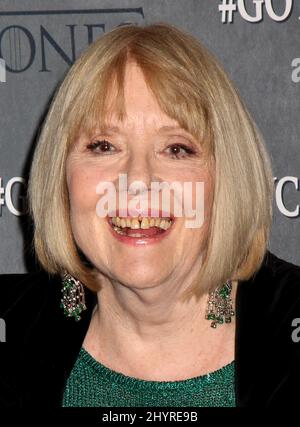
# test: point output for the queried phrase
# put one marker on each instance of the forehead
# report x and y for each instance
(140, 104)
(160, 123)
(137, 99)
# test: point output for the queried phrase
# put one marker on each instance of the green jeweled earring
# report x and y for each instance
(73, 299)
(219, 307)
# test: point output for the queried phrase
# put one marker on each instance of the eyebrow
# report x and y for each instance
(166, 128)
(159, 130)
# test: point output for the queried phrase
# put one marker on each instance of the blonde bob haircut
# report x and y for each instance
(190, 87)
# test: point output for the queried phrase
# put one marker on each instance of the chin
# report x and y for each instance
(140, 279)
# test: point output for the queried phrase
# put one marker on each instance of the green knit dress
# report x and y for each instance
(92, 384)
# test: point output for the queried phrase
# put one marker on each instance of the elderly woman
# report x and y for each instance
(135, 305)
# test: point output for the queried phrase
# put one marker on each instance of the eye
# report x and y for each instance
(180, 151)
(102, 147)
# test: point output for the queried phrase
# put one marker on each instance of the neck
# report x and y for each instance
(147, 314)
(149, 333)
(153, 317)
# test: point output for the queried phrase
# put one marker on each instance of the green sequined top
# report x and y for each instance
(92, 384)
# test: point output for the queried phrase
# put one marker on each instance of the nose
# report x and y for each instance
(139, 170)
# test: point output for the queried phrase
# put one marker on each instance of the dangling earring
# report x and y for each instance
(73, 299)
(219, 307)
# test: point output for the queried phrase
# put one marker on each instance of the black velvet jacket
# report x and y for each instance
(42, 344)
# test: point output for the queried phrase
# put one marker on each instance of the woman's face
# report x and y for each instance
(147, 146)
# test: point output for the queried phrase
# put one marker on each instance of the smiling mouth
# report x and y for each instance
(140, 227)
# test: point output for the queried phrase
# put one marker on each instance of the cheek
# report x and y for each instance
(82, 183)
(203, 200)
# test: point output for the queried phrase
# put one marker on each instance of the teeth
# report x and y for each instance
(162, 224)
(165, 224)
(145, 223)
(142, 223)
(135, 223)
